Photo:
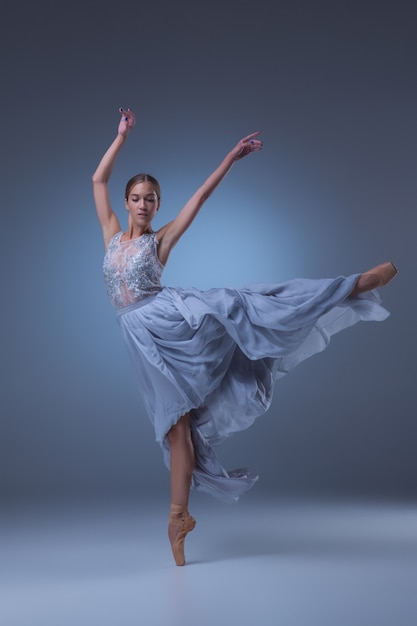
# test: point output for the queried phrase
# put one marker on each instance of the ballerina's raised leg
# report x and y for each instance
(376, 277)
(182, 463)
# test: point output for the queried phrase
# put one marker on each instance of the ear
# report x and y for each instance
(126, 207)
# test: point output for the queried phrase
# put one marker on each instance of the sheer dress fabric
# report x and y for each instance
(218, 353)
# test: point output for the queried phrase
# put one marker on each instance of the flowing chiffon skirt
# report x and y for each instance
(218, 353)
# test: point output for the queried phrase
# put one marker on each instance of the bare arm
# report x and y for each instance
(107, 217)
(170, 234)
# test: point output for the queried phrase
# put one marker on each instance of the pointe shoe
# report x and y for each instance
(378, 276)
(180, 518)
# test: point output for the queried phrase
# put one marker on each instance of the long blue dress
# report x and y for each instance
(218, 353)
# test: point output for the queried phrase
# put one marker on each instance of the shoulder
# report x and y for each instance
(163, 232)
(114, 239)
(164, 235)
(164, 243)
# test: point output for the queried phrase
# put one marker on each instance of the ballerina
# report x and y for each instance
(207, 361)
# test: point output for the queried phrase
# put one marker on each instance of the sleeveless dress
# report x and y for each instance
(218, 353)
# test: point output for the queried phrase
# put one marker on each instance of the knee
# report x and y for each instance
(180, 431)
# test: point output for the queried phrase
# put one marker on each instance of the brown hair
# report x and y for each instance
(142, 178)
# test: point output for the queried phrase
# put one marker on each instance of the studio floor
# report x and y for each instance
(257, 563)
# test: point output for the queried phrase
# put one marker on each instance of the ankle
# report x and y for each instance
(178, 512)
(178, 508)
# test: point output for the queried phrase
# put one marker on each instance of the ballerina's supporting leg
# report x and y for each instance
(182, 462)
(376, 277)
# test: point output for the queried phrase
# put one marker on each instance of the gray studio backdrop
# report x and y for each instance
(332, 87)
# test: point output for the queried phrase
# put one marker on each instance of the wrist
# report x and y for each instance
(231, 156)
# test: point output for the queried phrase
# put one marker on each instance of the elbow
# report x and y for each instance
(205, 195)
(97, 180)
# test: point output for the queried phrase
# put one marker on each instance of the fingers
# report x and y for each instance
(247, 145)
(250, 144)
(255, 145)
(251, 136)
(128, 115)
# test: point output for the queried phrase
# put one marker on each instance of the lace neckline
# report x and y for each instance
(133, 238)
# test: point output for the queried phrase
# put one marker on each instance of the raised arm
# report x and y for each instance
(170, 234)
(107, 217)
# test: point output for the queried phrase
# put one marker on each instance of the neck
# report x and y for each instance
(136, 231)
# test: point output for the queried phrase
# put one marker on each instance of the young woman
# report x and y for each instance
(206, 362)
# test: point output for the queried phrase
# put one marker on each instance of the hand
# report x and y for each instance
(247, 145)
(127, 122)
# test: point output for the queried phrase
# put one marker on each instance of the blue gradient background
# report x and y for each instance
(332, 86)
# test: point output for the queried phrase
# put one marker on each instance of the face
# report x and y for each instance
(142, 203)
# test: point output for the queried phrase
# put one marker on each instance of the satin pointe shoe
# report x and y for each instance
(180, 523)
(378, 276)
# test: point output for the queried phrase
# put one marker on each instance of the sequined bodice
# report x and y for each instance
(132, 270)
